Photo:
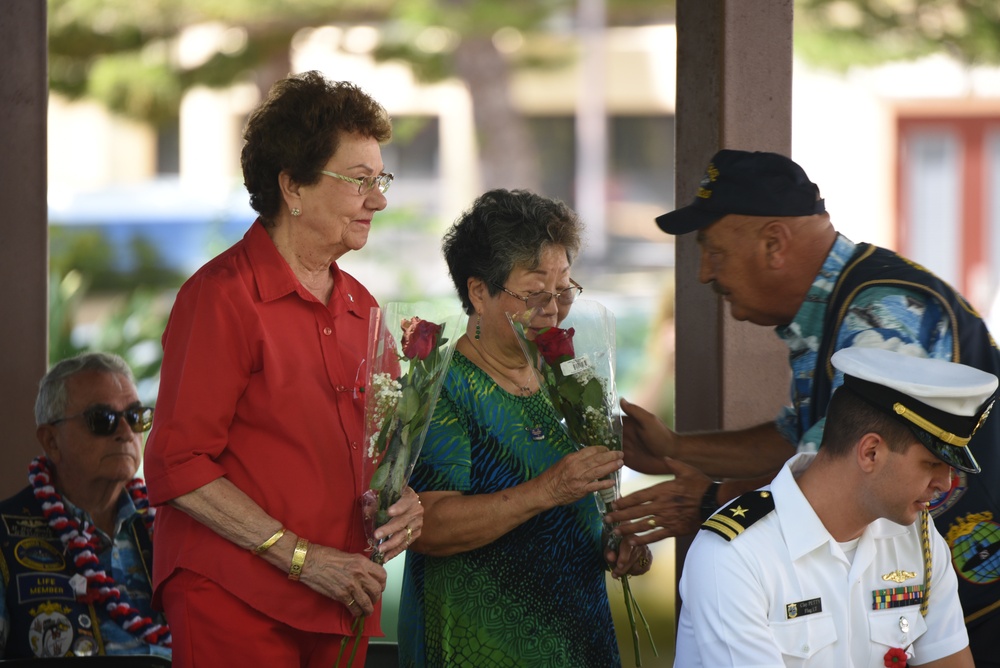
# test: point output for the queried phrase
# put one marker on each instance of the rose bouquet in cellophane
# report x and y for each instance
(575, 366)
(409, 348)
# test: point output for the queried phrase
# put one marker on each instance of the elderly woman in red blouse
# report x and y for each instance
(257, 448)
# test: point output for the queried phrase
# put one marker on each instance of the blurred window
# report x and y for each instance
(413, 152)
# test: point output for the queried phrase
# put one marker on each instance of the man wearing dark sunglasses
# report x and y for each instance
(76, 543)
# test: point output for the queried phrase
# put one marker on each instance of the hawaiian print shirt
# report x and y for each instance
(879, 317)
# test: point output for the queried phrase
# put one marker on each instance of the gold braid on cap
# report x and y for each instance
(931, 428)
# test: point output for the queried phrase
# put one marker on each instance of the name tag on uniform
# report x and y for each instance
(812, 606)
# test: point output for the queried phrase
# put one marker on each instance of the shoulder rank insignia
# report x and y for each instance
(735, 518)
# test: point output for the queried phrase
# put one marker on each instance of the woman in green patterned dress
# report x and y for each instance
(508, 570)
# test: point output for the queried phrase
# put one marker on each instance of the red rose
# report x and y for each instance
(554, 343)
(895, 658)
(419, 338)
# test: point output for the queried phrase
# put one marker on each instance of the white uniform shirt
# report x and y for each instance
(736, 595)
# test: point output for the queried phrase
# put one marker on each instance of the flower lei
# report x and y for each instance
(82, 545)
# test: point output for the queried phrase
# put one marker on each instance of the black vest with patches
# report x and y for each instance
(969, 518)
(45, 617)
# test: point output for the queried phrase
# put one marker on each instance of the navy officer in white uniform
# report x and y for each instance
(835, 563)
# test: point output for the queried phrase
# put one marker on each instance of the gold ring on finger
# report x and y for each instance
(409, 535)
(651, 522)
(350, 603)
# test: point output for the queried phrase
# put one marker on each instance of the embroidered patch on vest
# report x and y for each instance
(25, 526)
(735, 518)
(38, 555)
(33, 587)
(50, 632)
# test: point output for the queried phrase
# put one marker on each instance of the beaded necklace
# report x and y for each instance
(82, 544)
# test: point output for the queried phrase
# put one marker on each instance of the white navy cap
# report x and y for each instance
(943, 403)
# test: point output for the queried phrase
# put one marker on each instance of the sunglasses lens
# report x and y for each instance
(102, 421)
(139, 419)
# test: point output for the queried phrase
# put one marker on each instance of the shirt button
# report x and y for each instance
(327, 331)
(805, 648)
(341, 388)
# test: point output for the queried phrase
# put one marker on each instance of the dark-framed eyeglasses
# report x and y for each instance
(103, 420)
(365, 184)
(542, 298)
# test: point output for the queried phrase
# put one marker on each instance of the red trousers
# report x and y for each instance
(213, 628)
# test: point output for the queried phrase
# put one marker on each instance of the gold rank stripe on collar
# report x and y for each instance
(737, 517)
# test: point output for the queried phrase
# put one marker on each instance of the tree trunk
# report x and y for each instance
(508, 155)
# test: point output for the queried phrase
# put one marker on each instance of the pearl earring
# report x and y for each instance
(296, 211)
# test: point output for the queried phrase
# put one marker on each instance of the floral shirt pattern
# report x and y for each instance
(879, 317)
(536, 596)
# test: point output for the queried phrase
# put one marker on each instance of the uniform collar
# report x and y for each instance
(800, 525)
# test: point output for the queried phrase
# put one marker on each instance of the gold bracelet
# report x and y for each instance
(267, 544)
(298, 559)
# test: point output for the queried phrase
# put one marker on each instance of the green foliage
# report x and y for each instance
(842, 33)
(132, 327)
(133, 304)
(123, 53)
(88, 251)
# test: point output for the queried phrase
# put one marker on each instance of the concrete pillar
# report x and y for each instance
(24, 250)
(734, 90)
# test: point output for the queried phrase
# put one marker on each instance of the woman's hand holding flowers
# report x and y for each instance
(629, 560)
(405, 525)
(580, 473)
(345, 577)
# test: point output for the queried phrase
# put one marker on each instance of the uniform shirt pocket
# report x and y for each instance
(896, 627)
(805, 637)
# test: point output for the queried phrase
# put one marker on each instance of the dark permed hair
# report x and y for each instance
(297, 128)
(502, 230)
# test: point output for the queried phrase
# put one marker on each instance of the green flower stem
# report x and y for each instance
(645, 624)
(356, 628)
(629, 602)
(359, 622)
(632, 609)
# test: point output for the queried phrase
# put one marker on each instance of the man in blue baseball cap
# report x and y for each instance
(768, 248)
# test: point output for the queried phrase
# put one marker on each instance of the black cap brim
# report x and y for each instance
(956, 456)
(687, 219)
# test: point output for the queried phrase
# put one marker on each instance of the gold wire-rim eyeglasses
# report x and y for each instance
(365, 184)
(563, 297)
